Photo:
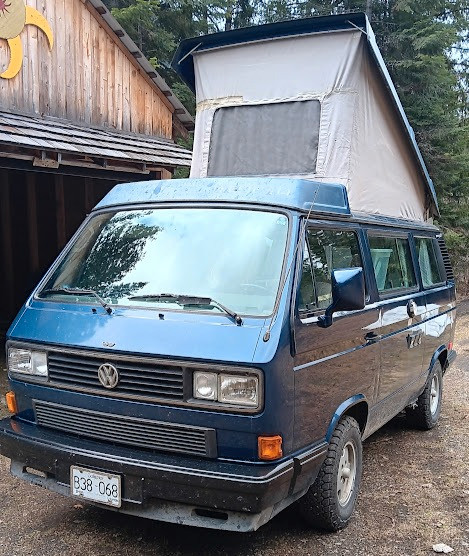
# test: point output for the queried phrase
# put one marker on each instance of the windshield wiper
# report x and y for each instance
(80, 291)
(190, 300)
(195, 300)
(154, 296)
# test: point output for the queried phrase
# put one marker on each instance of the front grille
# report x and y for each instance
(142, 433)
(137, 378)
(446, 259)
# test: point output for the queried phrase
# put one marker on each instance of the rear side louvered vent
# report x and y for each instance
(446, 259)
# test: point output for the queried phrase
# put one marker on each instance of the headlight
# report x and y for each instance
(239, 390)
(27, 362)
(226, 389)
(205, 386)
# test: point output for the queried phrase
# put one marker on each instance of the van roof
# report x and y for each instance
(290, 193)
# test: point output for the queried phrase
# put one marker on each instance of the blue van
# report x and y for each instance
(209, 351)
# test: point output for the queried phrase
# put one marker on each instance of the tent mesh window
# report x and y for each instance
(265, 139)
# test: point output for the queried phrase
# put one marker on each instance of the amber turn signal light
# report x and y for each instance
(269, 447)
(11, 402)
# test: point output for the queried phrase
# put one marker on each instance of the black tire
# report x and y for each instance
(322, 507)
(425, 412)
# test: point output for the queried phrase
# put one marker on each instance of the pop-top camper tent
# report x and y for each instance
(309, 98)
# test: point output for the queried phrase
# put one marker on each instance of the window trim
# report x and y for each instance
(437, 259)
(313, 278)
(395, 292)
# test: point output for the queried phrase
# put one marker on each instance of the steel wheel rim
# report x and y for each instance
(434, 394)
(346, 474)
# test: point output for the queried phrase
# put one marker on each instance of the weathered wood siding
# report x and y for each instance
(87, 77)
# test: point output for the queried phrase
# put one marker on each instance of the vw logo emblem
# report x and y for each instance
(108, 375)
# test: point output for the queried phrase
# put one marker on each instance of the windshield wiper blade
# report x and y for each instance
(80, 291)
(182, 299)
(168, 296)
(161, 297)
(196, 300)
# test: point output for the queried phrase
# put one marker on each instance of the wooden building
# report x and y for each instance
(81, 109)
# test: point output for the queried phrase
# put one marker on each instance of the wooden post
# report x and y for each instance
(60, 210)
(165, 174)
(32, 223)
(89, 195)
(6, 239)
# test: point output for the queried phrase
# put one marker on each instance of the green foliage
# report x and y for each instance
(141, 18)
(185, 95)
(187, 144)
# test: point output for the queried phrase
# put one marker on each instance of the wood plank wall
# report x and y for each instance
(39, 212)
(88, 77)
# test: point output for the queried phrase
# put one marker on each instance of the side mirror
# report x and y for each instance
(348, 293)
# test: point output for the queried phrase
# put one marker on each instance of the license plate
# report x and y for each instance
(96, 486)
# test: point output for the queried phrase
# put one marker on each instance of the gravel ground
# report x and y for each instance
(415, 493)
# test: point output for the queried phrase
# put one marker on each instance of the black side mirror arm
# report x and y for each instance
(326, 320)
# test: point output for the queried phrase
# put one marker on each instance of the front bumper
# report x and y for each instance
(190, 491)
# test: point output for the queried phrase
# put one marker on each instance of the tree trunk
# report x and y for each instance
(229, 17)
(368, 9)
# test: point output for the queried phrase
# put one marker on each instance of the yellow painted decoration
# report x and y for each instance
(14, 15)
(33, 17)
(16, 58)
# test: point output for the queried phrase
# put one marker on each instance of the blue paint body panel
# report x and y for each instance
(212, 337)
(296, 194)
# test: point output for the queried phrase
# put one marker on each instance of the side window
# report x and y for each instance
(328, 251)
(307, 301)
(429, 267)
(392, 263)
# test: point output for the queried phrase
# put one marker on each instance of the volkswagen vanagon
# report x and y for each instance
(209, 351)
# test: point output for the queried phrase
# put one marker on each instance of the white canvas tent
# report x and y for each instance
(309, 98)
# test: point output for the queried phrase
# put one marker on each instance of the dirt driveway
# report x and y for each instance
(415, 493)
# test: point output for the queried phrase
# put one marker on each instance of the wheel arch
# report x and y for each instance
(441, 355)
(356, 407)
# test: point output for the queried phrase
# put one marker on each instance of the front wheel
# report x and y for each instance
(330, 501)
(425, 412)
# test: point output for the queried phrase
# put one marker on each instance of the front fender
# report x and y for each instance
(343, 408)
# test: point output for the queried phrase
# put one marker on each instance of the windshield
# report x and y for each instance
(147, 257)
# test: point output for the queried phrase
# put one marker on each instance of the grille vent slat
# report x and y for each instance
(136, 378)
(129, 431)
(446, 258)
(104, 432)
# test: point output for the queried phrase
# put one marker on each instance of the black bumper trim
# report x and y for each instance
(450, 358)
(155, 476)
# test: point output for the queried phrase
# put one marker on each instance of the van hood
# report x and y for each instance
(182, 335)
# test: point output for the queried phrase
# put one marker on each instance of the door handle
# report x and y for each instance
(411, 308)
